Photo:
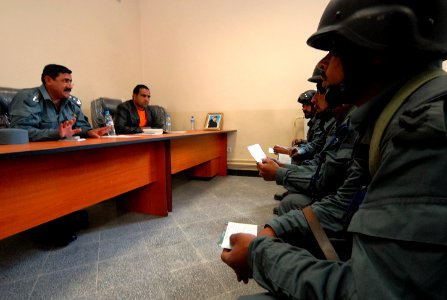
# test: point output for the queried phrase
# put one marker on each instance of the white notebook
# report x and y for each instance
(256, 152)
(232, 228)
(153, 130)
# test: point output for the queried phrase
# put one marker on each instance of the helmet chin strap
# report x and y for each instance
(339, 94)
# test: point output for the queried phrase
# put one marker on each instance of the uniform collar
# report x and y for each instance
(44, 92)
(46, 96)
(367, 114)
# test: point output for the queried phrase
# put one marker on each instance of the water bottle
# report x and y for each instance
(193, 123)
(168, 122)
(109, 122)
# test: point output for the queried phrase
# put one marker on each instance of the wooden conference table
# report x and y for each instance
(42, 181)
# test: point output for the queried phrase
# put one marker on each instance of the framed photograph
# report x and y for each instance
(214, 121)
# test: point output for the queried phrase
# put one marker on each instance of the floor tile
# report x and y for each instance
(73, 256)
(202, 229)
(124, 271)
(66, 284)
(196, 282)
(208, 248)
(164, 237)
(125, 245)
(18, 262)
(17, 290)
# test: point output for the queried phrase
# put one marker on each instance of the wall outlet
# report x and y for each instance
(228, 149)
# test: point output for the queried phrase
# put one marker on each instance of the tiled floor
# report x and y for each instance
(134, 256)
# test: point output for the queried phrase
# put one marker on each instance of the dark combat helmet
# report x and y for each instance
(396, 31)
(384, 26)
(316, 75)
(306, 97)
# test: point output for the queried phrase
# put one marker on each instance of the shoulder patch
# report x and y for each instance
(75, 100)
(36, 97)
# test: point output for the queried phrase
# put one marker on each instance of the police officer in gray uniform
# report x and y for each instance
(316, 136)
(323, 174)
(49, 112)
(389, 52)
(306, 149)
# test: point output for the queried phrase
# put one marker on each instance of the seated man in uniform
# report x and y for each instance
(306, 149)
(399, 231)
(323, 174)
(49, 112)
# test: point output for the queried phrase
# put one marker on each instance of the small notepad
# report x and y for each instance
(152, 131)
(257, 153)
(232, 228)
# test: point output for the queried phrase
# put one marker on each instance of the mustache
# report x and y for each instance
(67, 90)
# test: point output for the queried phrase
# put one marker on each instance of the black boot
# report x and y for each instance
(280, 196)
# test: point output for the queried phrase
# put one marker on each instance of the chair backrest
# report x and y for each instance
(98, 106)
(6, 95)
(161, 113)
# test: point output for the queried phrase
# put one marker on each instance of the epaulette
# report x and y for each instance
(75, 100)
(36, 96)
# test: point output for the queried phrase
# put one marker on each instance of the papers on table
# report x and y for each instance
(146, 131)
(232, 228)
(119, 136)
(257, 153)
(152, 130)
(73, 138)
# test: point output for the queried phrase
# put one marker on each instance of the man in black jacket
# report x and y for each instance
(132, 115)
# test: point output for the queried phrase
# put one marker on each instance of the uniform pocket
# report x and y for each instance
(48, 124)
(425, 125)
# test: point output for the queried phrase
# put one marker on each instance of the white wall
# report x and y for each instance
(247, 59)
(99, 40)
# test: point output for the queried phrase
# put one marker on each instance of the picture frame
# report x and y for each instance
(214, 121)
